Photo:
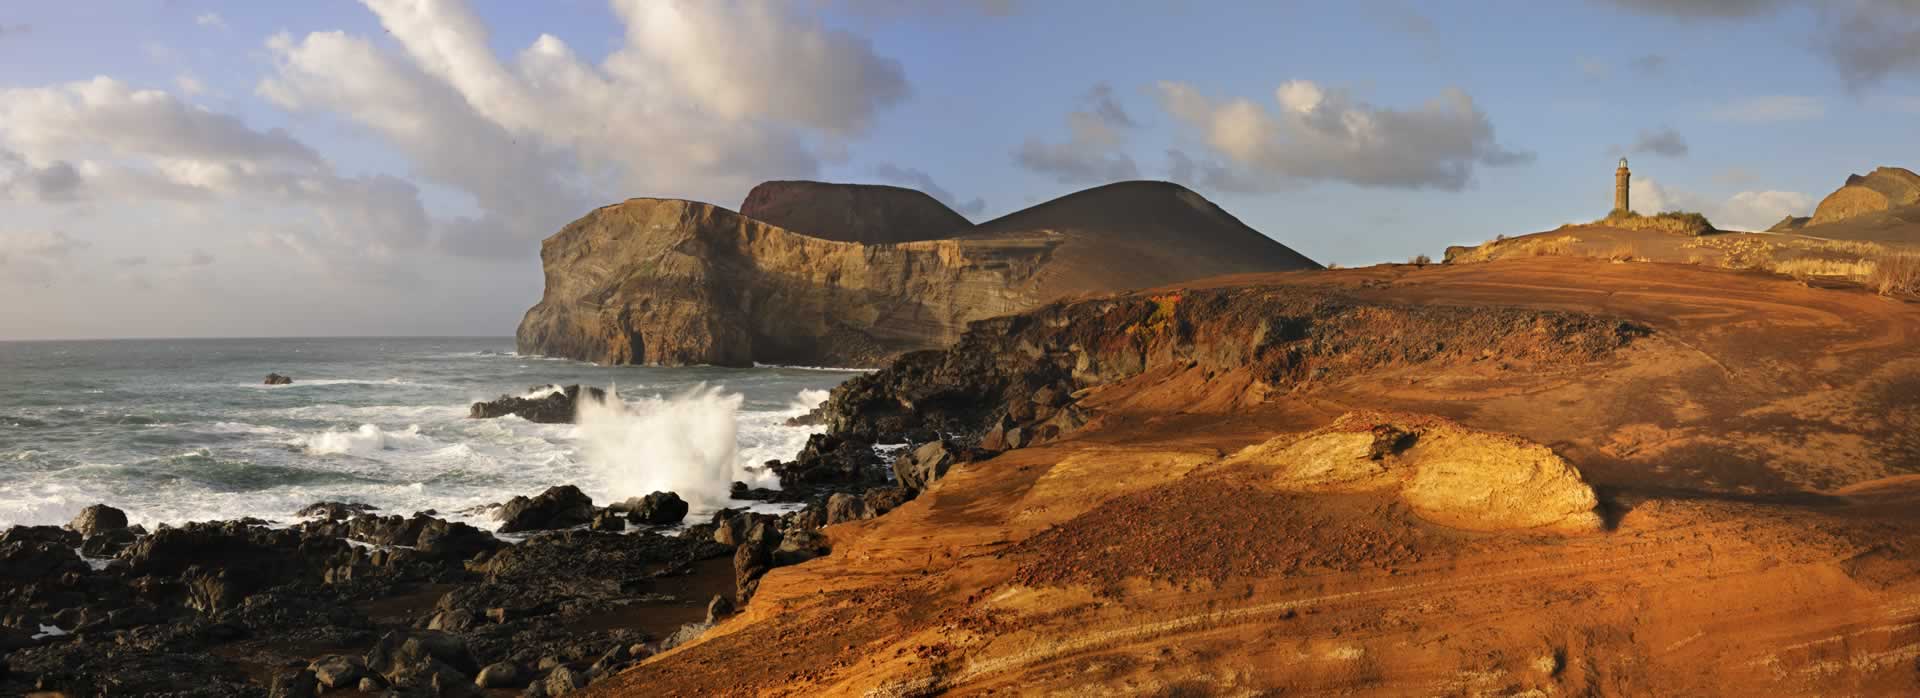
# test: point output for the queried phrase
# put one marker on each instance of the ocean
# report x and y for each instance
(176, 430)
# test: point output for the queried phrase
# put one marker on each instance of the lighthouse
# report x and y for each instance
(1620, 178)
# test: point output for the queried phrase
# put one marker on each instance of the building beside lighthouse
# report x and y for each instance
(1620, 178)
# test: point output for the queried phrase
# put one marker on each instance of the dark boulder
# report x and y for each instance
(720, 607)
(749, 563)
(39, 553)
(277, 379)
(415, 658)
(501, 675)
(920, 467)
(337, 672)
(656, 509)
(299, 684)
(564, 506)
(452, 540)
(560, 406)
(564, 680)
(98, 519)
(800, 546)
(843, 507)
(880, 500)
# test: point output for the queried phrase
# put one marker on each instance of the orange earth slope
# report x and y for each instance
(1754, 455)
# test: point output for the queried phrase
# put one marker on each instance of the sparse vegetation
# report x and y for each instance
(1895, 273)
(1420, 259)
(1671, 222)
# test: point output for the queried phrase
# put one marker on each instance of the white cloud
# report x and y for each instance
(189, 85)
(703, 100)
(1759, 210)
(1323, 134)
(1771, 108)
(211, 19)
(1747, 210)
(1091, 154)
(106, 117)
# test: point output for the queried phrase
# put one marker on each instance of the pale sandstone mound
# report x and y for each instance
(1448, 474)
(671, 282)
(1882, 190)
(864, 213)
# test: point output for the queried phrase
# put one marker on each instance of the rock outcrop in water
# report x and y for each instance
(672, 282)
(544, 404)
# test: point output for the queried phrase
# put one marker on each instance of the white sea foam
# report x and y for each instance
(365, 441)
(687, 444)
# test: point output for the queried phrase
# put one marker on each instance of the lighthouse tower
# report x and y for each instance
(1620, 178)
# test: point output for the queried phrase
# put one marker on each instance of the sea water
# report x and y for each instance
(184, 430)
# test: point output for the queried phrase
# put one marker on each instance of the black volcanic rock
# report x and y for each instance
(564, 506)
(656, 509)
(558, 407)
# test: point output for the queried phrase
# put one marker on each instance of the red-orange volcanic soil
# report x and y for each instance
(1754, 454)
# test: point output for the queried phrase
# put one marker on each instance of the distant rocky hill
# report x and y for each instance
(867, 213)
(1880, 206)
(672, 282)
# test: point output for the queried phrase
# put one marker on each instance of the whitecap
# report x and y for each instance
(365, 441)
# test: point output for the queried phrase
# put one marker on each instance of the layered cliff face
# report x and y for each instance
(672, 282)
(865, 213)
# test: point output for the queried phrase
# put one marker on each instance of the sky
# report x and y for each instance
(171, 168)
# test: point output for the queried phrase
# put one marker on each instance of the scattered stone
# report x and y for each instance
(337, 672)
(564, 680)
(610, 521)
(720, 607)
(277, 379)
(501, 675)
(564, 506)
(558, 406)
(296, 685)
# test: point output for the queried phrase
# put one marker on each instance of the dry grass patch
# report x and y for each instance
(1670, 222)
(1895, 273)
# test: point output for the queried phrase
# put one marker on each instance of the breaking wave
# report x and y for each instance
(365, 441)
(687, 443)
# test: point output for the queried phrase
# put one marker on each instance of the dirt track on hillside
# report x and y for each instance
(1756, 456)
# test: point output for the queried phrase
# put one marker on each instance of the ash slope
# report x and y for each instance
(1750, 439)
(673, 282)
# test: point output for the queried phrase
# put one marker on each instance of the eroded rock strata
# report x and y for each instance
(671, 282)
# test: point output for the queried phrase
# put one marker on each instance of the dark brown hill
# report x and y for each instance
(864, 213)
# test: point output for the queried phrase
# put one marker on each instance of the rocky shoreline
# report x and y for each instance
(340, 597)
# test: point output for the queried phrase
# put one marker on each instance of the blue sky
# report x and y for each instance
(191, 169)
